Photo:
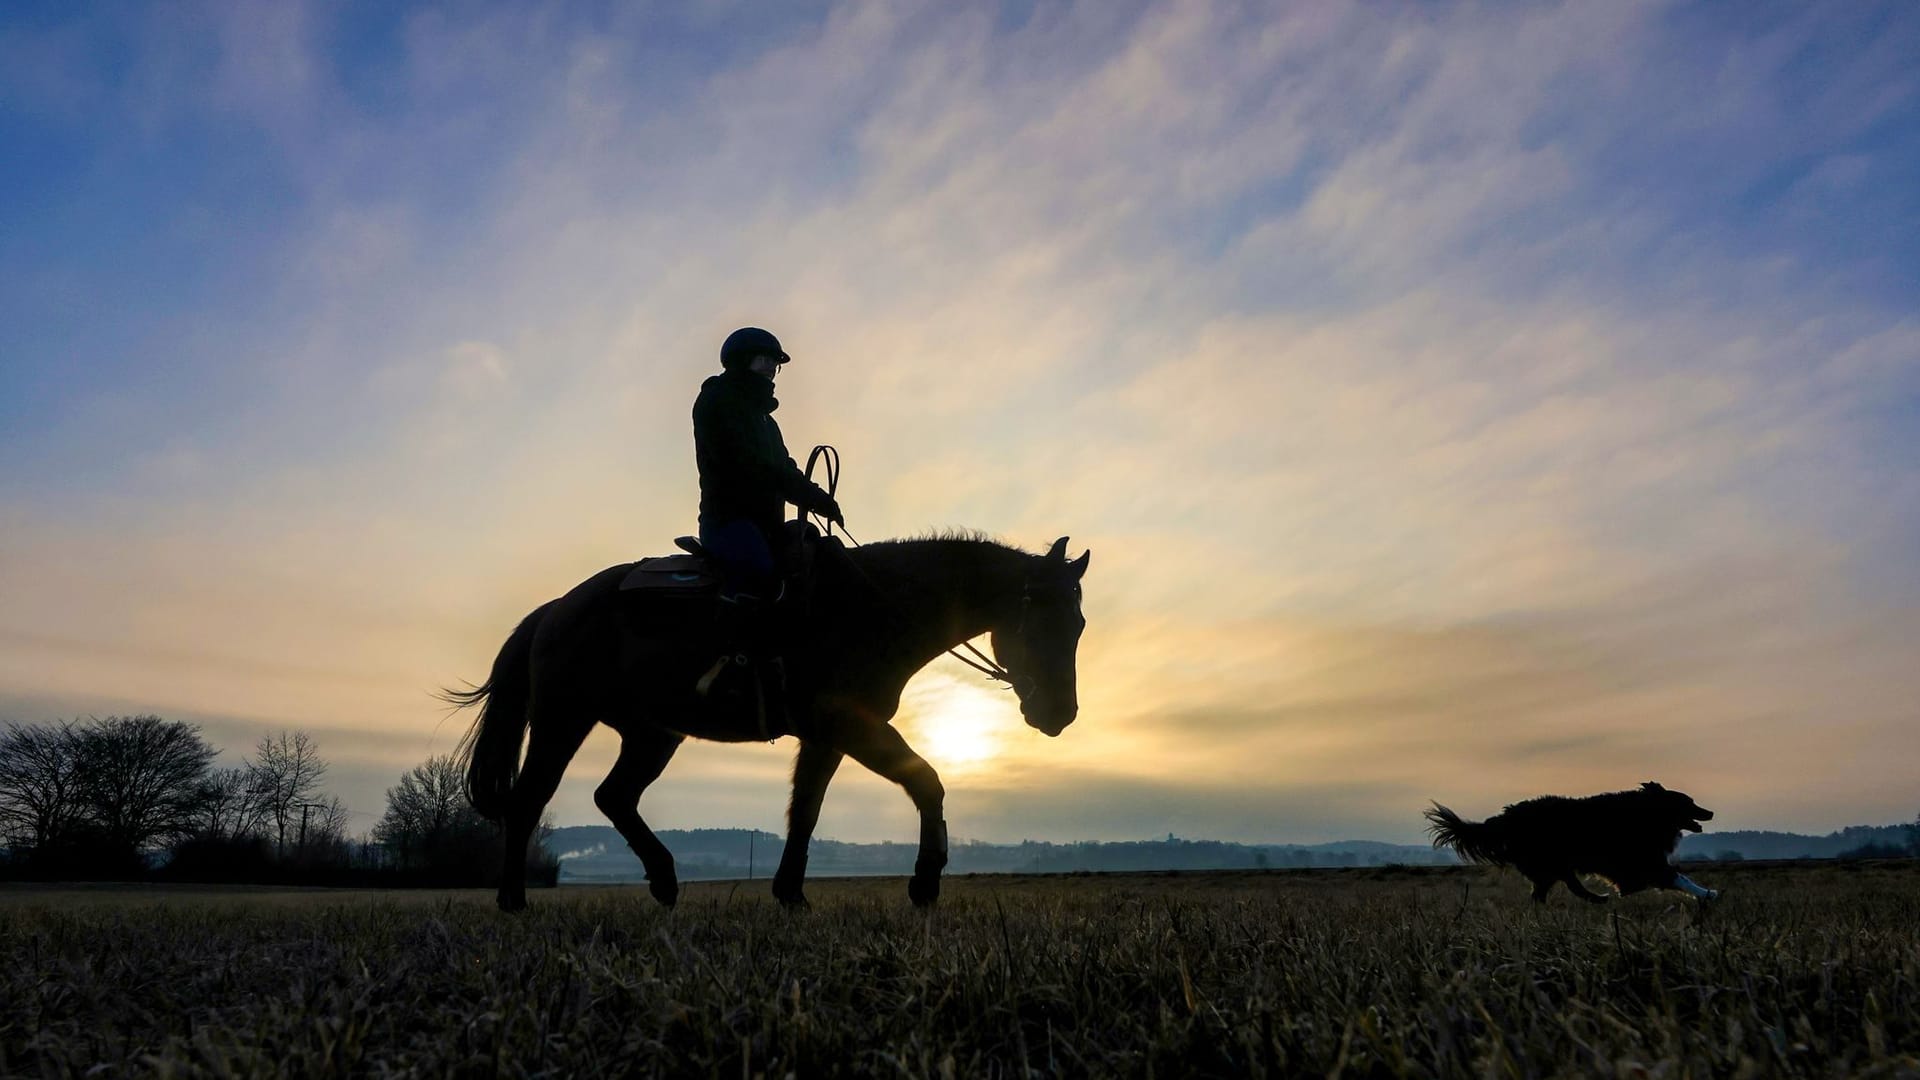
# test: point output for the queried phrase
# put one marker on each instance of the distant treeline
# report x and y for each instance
(1852, 842)
(596, 853)
(132, 798)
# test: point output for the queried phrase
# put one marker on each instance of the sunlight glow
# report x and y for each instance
(955, 723)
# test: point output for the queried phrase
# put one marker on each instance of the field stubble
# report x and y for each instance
(1809, 970)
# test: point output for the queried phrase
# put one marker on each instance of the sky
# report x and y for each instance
(1461, 402)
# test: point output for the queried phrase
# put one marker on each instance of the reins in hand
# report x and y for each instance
(830, 457)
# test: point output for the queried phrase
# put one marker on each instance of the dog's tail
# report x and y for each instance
(1475, 841)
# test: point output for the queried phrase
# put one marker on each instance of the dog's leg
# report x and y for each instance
(1541, 887)
(1691, 888)
(1576, 888)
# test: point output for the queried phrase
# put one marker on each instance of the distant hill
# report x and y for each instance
(597, 853)
(1748, 844)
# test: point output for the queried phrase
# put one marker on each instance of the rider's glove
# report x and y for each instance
(830, 510)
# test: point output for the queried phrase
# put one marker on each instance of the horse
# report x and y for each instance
(878, 613)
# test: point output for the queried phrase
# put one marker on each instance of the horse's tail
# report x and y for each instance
(1475, 841)
(491, 749)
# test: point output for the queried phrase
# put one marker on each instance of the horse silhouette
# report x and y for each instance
(877, 614)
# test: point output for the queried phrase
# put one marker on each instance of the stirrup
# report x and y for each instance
(705, 684)
(770, 695)
(758, 674)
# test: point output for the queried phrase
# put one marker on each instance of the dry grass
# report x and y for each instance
(1800, 970)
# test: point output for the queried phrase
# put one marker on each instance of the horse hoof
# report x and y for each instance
(791, 899)
(666, 891)
(923, 891)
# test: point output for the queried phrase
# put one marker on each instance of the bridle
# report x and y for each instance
(1021, 685)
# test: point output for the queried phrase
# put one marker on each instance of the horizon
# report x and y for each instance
(1460, 405)
(957, 840)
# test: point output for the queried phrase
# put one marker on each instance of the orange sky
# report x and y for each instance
(1459, 404)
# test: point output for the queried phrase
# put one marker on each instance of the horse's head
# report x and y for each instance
(1037, 646)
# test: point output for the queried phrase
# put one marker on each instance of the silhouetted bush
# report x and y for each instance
(222, 859)
(1877, 851)
(82, 855)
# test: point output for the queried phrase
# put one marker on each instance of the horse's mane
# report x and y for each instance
(942, 553)
(950, 535)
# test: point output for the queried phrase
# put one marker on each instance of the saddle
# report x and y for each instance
(688, 575)
(677, 598)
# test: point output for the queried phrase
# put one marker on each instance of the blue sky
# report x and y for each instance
(1465, 402)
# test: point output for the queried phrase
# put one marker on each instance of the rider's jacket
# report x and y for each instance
(745, 470)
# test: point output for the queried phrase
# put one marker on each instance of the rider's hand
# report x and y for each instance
(831, 511)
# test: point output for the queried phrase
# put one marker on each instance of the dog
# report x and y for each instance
(1622, 836)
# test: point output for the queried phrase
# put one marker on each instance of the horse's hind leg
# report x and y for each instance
(553, 739)
(813, 769)
(644, 753)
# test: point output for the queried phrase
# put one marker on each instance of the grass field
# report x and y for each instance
(1799, 969)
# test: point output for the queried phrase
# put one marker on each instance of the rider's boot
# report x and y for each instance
(745, 681)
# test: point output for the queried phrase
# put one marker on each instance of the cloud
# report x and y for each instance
(1442, 393)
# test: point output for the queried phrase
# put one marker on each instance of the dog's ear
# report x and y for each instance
(1652, 785)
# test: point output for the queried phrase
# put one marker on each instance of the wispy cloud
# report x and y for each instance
(1491, 400)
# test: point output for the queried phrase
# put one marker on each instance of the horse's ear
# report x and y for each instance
(1058, 550)
(1079, 565)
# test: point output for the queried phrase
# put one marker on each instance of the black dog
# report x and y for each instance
(1624, 837)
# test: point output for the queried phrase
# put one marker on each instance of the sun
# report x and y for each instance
(956, 723)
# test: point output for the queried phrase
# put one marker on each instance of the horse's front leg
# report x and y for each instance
(813, 769)
(880, 748)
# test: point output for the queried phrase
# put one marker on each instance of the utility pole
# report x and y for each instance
(306, 807)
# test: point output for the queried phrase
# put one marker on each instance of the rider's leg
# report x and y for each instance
(748, 587)
(744, 558)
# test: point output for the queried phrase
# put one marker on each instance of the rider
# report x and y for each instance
(746, 480)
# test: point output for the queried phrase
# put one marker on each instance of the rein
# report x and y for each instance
(984, 664)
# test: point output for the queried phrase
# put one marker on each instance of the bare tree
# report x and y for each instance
(41, 802)
(230, 804)
(332, 818)
(428, 814)
(142, 778)
(322, 831)
(286, 775)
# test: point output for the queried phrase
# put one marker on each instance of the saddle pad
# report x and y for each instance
(670, 573)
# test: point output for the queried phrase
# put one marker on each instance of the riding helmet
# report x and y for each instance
(748, 342)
